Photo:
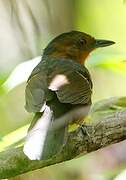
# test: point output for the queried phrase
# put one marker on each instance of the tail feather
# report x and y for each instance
(41, 141)
(35, 139)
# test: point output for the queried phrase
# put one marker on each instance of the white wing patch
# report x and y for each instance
(33, 147)
(58, 81)
(43, 107)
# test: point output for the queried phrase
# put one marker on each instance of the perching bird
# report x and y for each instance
(59, 84)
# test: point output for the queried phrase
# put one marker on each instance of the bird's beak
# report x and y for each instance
(103, 43)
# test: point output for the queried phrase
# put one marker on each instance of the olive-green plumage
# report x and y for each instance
(58, 84)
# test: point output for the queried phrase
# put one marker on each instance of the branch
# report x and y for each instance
(108, 126)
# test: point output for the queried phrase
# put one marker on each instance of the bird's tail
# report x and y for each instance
(42, 142)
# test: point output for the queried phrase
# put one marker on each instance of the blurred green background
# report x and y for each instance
(26, 27)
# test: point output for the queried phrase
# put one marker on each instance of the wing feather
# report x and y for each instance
(71, 82)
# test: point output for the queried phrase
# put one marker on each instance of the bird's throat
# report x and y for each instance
(82, 58)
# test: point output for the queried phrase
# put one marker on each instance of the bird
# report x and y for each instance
(57, 86)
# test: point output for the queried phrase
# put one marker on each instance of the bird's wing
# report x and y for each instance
(71, 82)
(36, 92)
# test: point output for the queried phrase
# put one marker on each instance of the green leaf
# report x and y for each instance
(106, 107)
(117, 66)
(13, 138)
(112, 61)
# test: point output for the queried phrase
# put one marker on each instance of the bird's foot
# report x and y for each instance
(86, 131)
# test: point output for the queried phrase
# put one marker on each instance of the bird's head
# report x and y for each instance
(74, 45)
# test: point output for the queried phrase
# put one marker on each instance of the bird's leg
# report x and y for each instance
(83, 126)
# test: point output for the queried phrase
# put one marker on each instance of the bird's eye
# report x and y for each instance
(82, 42)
